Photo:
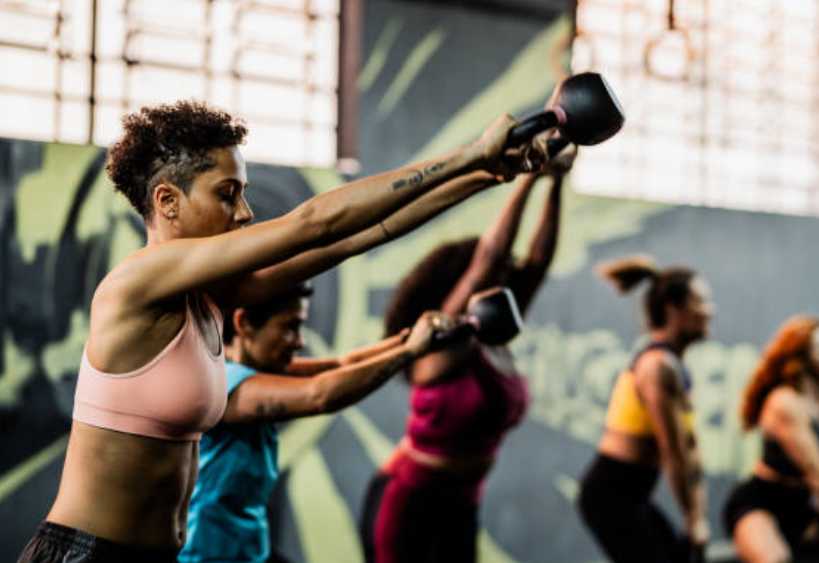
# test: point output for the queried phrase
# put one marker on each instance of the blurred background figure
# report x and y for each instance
(422, 506)
(773, 515)
(650, 425)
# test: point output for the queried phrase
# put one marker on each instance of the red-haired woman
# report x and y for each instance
(773, 514)
(650, 424)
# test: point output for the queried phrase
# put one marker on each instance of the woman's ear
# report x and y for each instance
(166, 200)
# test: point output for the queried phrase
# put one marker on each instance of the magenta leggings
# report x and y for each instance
(420, 515)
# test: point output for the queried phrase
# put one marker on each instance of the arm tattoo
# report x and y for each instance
(433, 168)
(270, 410)
(413, 179)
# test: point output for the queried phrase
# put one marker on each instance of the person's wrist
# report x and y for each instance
(412, 351)
(474, 157)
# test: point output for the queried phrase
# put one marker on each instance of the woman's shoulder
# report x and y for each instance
(784, 399)
(655, 361)
(784, 406)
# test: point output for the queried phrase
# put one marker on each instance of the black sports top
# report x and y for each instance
(775, 457)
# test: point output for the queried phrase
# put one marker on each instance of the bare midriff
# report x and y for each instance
(471, 467)
(629, 448)
(126, 488)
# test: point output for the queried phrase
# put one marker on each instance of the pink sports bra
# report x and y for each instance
(468, 413)
(176, 396)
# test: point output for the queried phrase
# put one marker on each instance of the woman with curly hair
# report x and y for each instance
(774, 514)
(422, 506)
(650, 425)
(152, 376)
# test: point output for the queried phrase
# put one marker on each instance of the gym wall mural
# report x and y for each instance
(432, 77)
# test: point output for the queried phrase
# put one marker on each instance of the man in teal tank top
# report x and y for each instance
(238, 458)
(238, 468)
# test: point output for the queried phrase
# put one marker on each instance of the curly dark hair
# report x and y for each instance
(670, 285)
(168, 143)
(259, 313)
(428, 284)
(785, 361)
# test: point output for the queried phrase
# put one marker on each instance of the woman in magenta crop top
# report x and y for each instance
(152, 375)
(422, 506)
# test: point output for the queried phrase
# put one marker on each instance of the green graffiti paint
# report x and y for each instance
(571, 377)
(568, 486)
(17, 477)
(590, 220)
(17, 369)
(380, 53)
(44, 197)
(490, 552)
(327, 534)
(375, 443)
(412, 67)
(300, 437)
(527, 82)
(321, 180)
(63, 357)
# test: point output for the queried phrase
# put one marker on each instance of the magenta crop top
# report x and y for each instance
(467, 414)
(176, 396)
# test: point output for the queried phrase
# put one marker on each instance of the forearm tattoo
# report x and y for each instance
(272, 409)
(414, 177)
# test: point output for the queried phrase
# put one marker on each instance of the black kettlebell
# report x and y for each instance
(583, 108)
(493, 317)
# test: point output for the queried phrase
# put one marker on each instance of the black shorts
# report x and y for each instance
(54, 543)
(790, 506)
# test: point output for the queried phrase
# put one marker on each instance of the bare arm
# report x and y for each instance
(313, 366)
(492, 253)
(659, 383)
(174, 267)
(488, 261)
(541, 249)
(259, 285)
(267, 397)
(786, 419)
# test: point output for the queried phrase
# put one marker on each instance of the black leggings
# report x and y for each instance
(615, 504)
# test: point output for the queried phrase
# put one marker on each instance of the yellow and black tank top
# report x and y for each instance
(627, 412)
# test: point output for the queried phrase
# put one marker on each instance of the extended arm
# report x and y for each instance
(258, 285)
(491, 256)
(171, 268)
(492, 253)
(267, 397)
(313, 366)
(533, 270)
(659, 383)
